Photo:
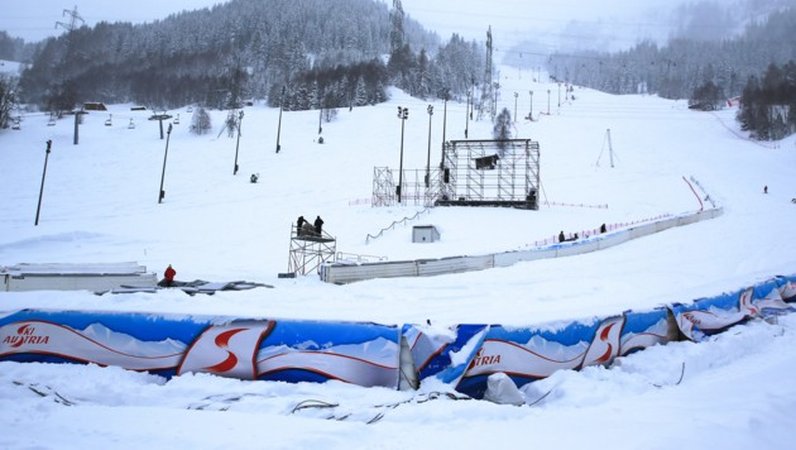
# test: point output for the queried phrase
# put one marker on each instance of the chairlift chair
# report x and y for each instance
(108, 122)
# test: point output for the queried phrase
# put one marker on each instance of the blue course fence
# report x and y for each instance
(370, 354)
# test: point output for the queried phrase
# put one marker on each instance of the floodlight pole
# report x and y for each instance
(467, 115)
(548, 102)
(430, 110)
(444, 125)
(162, 193)
(515, 106)
(43, 174)
(279, 127)
(559, 94)
(403, 114)
(237, 144)
(530, 114)
(472, 97)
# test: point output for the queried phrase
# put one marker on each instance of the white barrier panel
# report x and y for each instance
(666, 224)
(91, 277)
(454, 265)
(687, 220)
(578, 248)
(510, 258)
(613, 239)
(642, 230)
(340, 273)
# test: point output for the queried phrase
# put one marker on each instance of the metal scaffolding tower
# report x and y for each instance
(494, 173)
(309, 250)
(383, 187)
(473, 173)
(415, 190)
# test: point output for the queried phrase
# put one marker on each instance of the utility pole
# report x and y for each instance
(74, 18)
(237, 144)
(59, 72)
(279, 127)
(43, 175)
(403, 114)
(486, 91)
(162, 193)
(430, 110)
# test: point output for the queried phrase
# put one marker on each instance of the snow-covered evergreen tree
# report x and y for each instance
(200, 121)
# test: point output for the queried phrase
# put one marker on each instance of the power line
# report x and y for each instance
(74, 18)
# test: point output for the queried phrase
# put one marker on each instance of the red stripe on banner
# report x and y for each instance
(307, 352)
(534, 353)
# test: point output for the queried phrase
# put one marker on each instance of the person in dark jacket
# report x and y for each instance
(561, 237)
(299, 223)
(318, 225)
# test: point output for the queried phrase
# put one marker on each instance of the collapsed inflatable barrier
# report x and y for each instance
(370, 354)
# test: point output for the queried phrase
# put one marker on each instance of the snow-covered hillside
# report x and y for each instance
(100, 205)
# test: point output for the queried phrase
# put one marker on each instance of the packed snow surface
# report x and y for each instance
(100, 205)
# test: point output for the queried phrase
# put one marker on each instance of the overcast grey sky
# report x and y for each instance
(511, 20)
(34, 20)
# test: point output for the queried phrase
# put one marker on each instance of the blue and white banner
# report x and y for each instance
(645, 329)
(369, 354)
(361, 353)
(708, 316)
(529, 354)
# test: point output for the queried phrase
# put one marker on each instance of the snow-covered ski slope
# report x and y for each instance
(100, 206)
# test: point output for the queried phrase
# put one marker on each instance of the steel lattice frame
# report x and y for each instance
(491, 172)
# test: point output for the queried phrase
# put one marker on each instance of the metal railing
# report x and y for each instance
(403, 221)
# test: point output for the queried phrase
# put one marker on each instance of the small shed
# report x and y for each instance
(94, 106)
(425, 233)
